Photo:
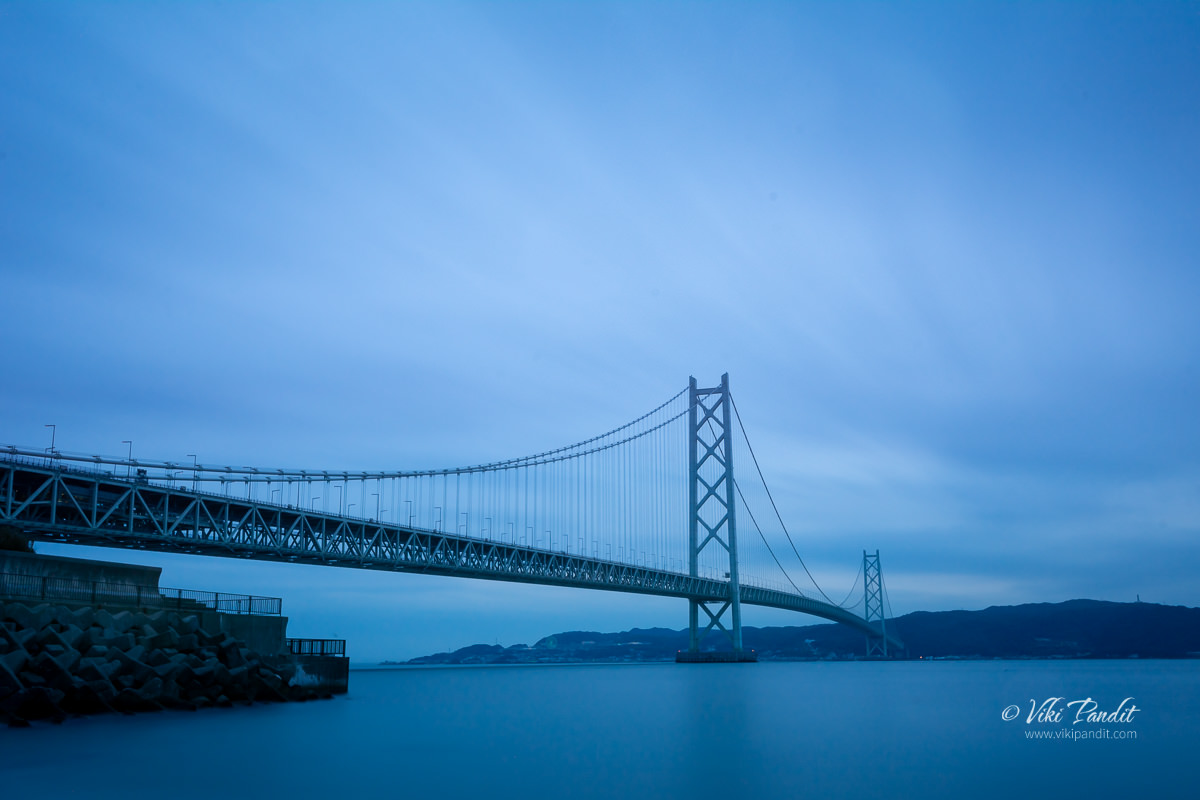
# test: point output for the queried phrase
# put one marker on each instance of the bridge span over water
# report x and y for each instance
(651, 507)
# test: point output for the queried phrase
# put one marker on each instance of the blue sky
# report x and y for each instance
(947, 253)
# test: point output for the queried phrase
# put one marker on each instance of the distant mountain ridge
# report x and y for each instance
(1073, 629)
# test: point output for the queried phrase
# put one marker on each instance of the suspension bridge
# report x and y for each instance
(649, 507)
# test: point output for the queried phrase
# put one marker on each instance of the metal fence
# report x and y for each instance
(70, 590)
(317, 647)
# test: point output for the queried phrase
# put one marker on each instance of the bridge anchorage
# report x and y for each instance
(650, 507)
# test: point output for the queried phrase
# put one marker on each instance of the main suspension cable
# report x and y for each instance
(772, 499)
(854, 586)
(746, 506)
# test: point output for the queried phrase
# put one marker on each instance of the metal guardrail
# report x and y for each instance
(317, 647)
(36, 587)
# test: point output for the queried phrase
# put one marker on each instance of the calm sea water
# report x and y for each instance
(769, 730)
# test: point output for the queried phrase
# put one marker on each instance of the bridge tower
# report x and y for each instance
(711, 502)
(873, 589)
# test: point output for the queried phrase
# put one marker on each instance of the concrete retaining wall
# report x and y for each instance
(265, 635)
(79, 569)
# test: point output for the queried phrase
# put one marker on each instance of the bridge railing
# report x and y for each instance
(317, 647)
(70, 590)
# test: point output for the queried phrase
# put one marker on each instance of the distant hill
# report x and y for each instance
(1074, 629)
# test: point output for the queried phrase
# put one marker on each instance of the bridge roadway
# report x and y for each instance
(53, 502)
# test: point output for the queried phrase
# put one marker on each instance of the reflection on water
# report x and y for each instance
(907, 729)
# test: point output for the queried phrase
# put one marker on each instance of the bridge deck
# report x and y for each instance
(80, 506)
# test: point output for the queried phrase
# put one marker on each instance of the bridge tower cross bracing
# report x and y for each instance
(873, 610)
(711, 503)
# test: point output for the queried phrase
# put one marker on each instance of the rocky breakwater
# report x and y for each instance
(57, 661)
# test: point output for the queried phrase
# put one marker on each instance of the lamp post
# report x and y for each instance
(312, 504)
(194, 467)
(130, 443)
